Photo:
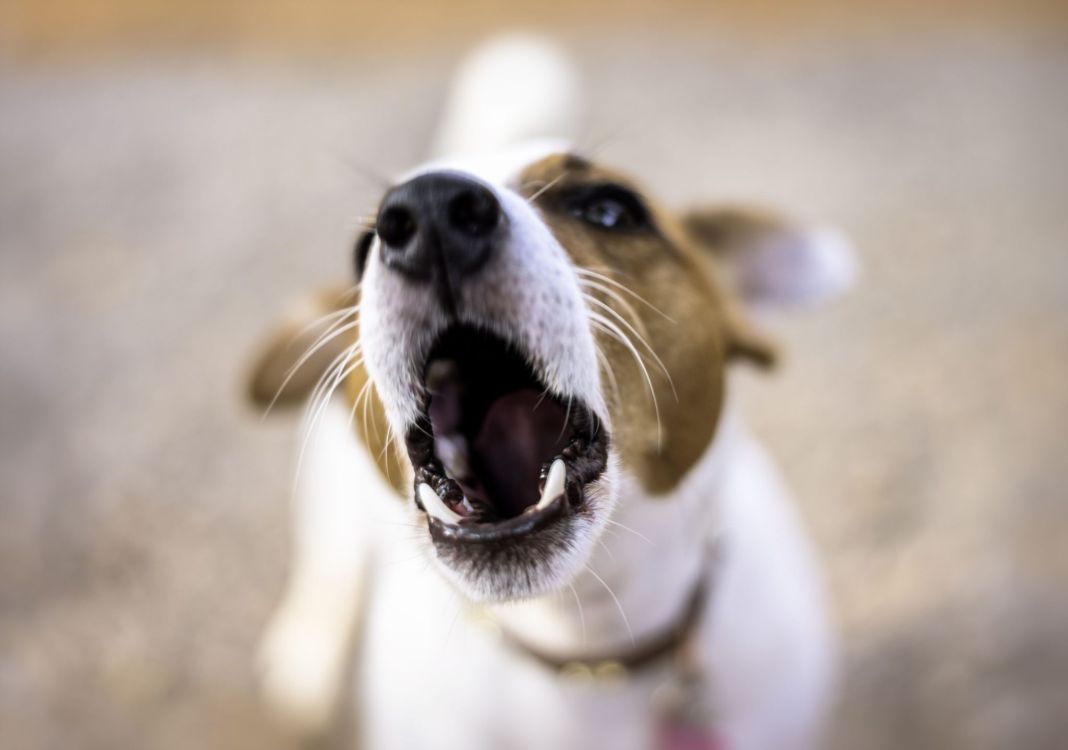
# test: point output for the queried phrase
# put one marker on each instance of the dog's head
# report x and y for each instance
(536, 330)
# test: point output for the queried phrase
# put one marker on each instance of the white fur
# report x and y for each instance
(302, 658)
(432, 672)
(527, 293)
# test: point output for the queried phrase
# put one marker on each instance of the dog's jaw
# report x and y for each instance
(563, 556)
(529, 296)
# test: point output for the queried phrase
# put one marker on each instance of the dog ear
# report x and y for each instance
(299, 351)
(770, 262)
(748, 343)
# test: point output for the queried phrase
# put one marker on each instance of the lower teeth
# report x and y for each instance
(555, 484)
(555, 481)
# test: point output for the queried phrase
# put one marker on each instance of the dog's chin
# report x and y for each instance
(538, 562)
(512, 477)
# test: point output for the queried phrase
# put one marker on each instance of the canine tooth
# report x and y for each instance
(554, 483)
(435, 506)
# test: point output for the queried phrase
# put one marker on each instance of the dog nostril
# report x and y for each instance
(475, 212)
(396, 225)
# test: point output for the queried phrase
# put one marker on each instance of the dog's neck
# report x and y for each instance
(642, 575)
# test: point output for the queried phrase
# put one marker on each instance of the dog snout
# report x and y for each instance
(438, 226)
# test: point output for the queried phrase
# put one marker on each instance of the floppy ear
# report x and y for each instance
(302, 350)
(293, 358)
(770, 262)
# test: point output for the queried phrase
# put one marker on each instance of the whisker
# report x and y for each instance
(567, 418)
(339, 369)
(325, 394)
(594, 145)
(622, 613)
(356, 404)
(419, 427)
(656, 358)
(340, 313)
(390, 437)
(606, 549)
(330, 333)
(612, 381)
(548, 186)
(541, 398)
(340, 316)
(336, 365)
(611, 328)
(367, 407)
(452, 625)
(319, 343)
(354, 310)
(348, 294)
(632, 531)
(369, 174)
(589, 272)
(609, 292)
(581, 613)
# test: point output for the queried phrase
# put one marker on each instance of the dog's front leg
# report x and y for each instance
(305, 654)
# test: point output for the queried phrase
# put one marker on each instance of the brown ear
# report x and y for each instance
(299, 351)
(769, 263)
(747, 343)
(772, 262)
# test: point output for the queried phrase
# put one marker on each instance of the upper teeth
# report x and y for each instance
(554, 483)
(435, 506)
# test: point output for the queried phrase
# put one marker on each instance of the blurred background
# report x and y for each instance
(173, 174)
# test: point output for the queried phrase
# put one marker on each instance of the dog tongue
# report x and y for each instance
(495, 459)
(521, 431)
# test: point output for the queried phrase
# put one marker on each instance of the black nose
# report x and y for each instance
(439, 226)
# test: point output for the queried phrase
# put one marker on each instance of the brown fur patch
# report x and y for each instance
(694, 331)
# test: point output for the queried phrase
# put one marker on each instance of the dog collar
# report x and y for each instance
(648, 652)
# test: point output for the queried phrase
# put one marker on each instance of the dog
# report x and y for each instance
(528, 510)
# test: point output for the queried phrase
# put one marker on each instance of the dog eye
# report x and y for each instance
(610, 207)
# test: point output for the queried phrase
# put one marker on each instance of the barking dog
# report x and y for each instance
(527, 389)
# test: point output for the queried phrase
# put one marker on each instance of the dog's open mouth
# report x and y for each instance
(496, 455)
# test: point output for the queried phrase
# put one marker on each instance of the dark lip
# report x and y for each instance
(499, 531)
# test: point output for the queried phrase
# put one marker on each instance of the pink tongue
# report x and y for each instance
(521, 431)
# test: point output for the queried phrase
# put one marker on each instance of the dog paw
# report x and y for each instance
(301, 665)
